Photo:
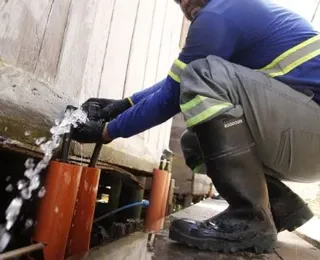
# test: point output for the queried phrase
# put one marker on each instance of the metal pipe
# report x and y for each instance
(22, 251)
(95, 155)
(170, 197)
(67, 139)
(66, 146)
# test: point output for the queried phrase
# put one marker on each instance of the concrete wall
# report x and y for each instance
(59, 52)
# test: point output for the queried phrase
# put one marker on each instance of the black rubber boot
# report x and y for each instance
(288, 209)
(238, 176)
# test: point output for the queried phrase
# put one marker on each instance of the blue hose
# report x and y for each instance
(143, 203)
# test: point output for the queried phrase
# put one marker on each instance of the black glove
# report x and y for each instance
(93, 107)
(105, 109)
(89, 132)
(114, 109)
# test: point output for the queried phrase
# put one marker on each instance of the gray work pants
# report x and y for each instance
(284, 123)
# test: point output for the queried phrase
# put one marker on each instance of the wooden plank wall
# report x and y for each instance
(304, 8)
(90, 48)
(316, 18)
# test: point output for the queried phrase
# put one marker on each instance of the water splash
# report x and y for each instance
(40, 140)
(42, 192)
(22, 184)
(32, 180)
(4, 238)
(28, 223)
(12, 212)
(9, 188)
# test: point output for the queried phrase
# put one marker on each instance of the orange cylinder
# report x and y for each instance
(56, 208)
(80, 232)
(159, 193)
(165, 199)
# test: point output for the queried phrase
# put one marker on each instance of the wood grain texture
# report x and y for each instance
(75, 48)
(11, 26)
(172, 31)
(153, 58)
(138, 55)
(65, 51)
(21, 31)
(97, 49)
(118, 49)
(51, 47)
(168, 51)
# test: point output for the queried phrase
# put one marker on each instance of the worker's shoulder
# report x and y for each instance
(218, 12)
(231, 6)
(235, 11)
(251, 16)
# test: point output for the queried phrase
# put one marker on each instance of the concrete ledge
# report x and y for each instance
(27, 104)
(132, 247)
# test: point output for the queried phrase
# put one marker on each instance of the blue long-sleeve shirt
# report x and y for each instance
(137, 97)
(251, 33)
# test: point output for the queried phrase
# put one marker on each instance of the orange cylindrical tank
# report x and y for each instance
(80, 232)
(159, 191)
(56, 208)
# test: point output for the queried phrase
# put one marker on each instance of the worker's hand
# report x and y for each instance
(107, 109)
(94, 106)
(91, 132)
(103, 102)
(114, 109)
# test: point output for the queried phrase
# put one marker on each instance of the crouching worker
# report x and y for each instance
(248, 85)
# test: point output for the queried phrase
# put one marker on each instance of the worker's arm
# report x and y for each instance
(137, 97)
(153, 110)
(111, 108)
(209, 34)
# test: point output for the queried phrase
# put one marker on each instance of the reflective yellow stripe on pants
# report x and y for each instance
(197, 108)
(193, 107)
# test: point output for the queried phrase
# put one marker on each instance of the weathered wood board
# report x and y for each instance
(55, 53)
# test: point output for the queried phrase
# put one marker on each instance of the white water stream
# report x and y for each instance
(32, 172)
